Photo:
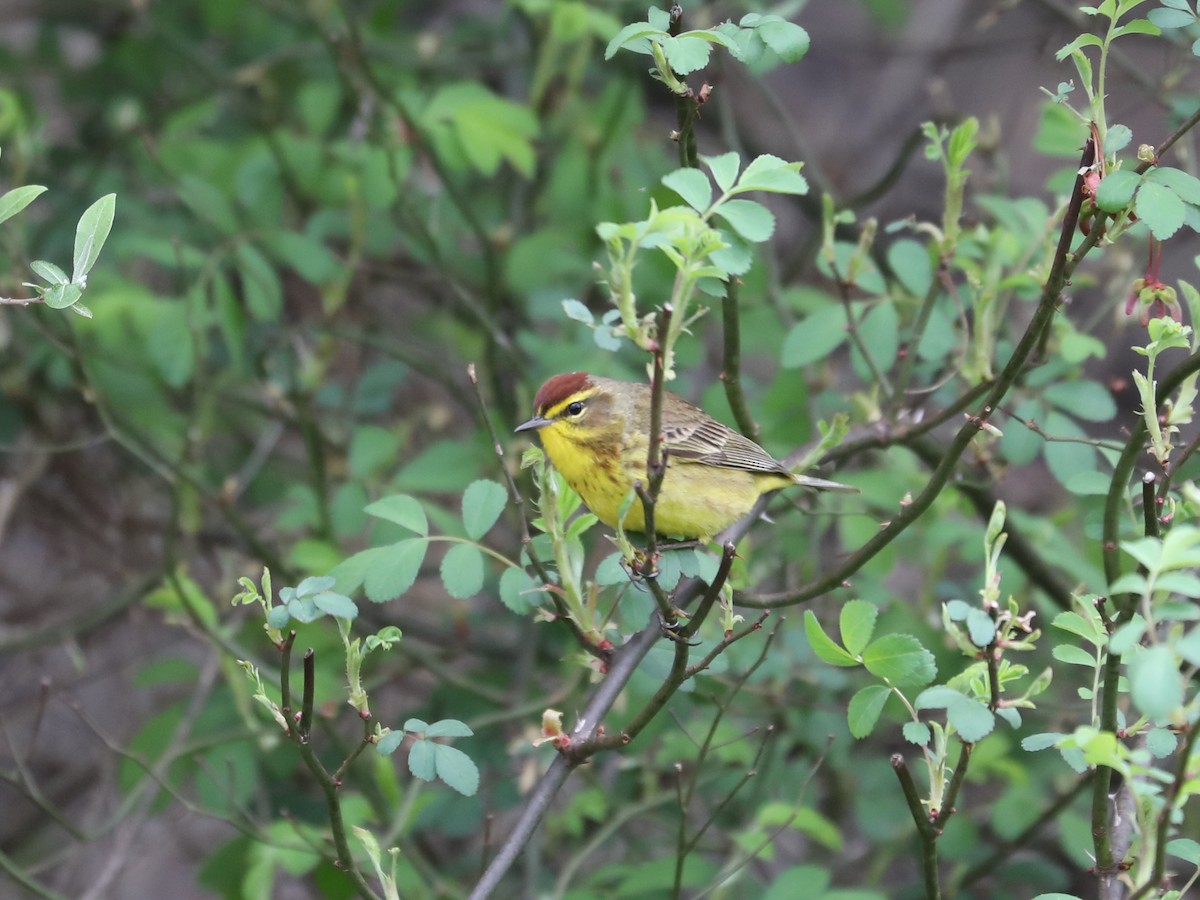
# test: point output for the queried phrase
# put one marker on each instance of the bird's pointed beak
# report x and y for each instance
(533, 424)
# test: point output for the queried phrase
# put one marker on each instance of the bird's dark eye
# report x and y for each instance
(575, 408)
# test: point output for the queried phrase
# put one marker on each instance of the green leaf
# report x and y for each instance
(1185, 849)
(414, 725)
(372, 450)
(1072, 655)
(865, 707)
(917, 733)
(814, 337)
(900, 659)
(910, 262)
(751, 220)
(1155, 683)
(307, 256)
(686, 53)
(518, 591)
(629, 35)
(389, 743)
(49, 272)
(62, 295)
(421, 760)
(1043, 741)
(456, 769)
(724, 169)
(1161, 742)
(1171, 18)
(789, 41)
(207, 202)
(462, 571)
(1185, 186)
(692, 186)
(336, 604)
(980, 627)
(91, 233)
(18, 198)
(1127, 636)
(1160, 208)
(856, 622)
(449, 728)
(577, 311)
(394, 570)
(1135, 26)
(772, 174)
(1118, 138)
(261, 287)
(402, 509)
(1116, 190)
(1088, 400)
(971, 719)
(823, 646)
(1084, 40)
(482, 503)
(1188, 646)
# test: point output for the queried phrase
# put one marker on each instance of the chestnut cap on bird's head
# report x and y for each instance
(552, 394)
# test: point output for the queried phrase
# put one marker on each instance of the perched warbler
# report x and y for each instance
(596, 432)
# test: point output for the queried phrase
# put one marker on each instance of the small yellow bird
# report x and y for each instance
(596, 432)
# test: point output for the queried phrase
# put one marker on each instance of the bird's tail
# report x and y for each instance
(821, 484)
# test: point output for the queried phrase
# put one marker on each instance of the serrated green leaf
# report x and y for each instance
(456, 769)
(1160, 208)
(1185, 186)
(917, 733)
(724, 169)
(772, 174)
(518, 591)
(1155, 684)
(751, 220)
(1042, 741)
(482, 503)
(865, 707)
(1072, 655)
(692, 186)
(788, 40)
(449, 728)
(462, 571)
(402, 509)
(421, 760)
(1169, 19)
(1116, 190)
(856, 623)
(900, 659)
(394, 569)
(686, 53)
(18, 198)
(630, 35)
(823, 646)
(336, 604)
